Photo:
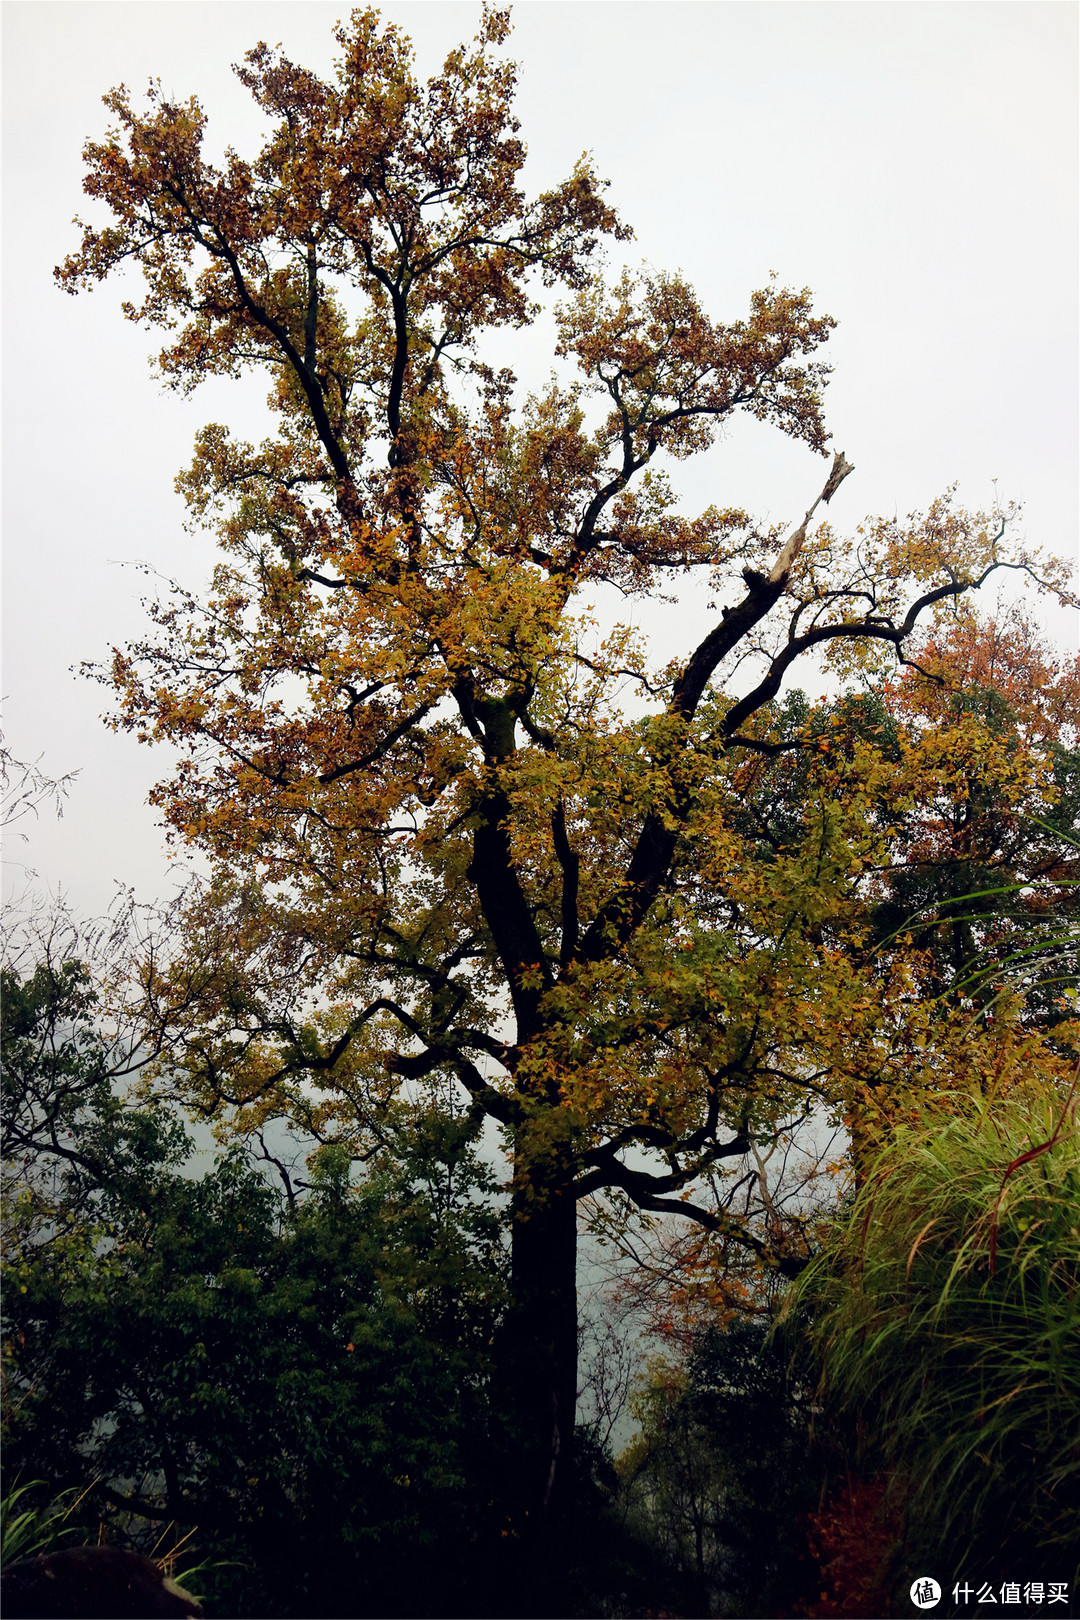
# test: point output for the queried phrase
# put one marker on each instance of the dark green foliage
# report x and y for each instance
(774, 812)
(721, 1471)
(594, 1560)
(305, 1383)
(747, 1393)
(67, 1137)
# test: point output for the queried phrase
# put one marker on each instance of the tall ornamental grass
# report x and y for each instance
(946, 1315)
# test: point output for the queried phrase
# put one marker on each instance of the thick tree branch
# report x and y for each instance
(508, 912)
(570, 866)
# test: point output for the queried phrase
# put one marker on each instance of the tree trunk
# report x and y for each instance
(540, 1345)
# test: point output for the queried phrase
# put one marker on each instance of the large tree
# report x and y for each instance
(458, 835)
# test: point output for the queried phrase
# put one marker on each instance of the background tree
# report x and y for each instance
(456, 834)
(722, 1468)
(55, 1064)
(986, 880)
(24, 788)
(301, 1382)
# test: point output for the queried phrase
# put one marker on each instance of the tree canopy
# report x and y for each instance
(461, 834)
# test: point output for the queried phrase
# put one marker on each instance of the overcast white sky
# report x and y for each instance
(914, 163)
